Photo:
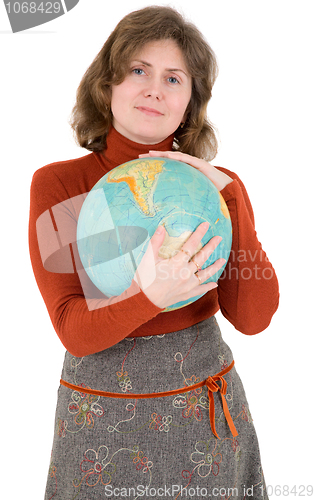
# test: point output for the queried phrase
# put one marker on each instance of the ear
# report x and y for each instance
(183, 120)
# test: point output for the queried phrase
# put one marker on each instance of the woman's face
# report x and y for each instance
(150, 104)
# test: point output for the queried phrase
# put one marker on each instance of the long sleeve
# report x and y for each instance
(248, 291)
(86, 322)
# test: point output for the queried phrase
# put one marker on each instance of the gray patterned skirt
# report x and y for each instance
(195, 442)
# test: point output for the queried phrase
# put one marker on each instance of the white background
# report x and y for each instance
(263, 107)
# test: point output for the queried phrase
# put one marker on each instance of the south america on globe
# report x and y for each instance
(124, 208)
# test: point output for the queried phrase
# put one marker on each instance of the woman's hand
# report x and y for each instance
(219, 179)
(168, 281)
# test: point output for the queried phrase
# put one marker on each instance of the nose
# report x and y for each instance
(154, 90)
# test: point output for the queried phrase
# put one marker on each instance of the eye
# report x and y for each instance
(138, 71)
(172, 79)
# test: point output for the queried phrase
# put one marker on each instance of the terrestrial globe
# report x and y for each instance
(125, 207)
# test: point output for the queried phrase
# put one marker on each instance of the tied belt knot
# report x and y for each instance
(210, 383)
(214, 387)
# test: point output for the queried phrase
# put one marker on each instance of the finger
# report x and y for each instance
(211, 270)
(190, 246)
(157, 240)
(203, 255)
(156, 153)
(177, 155)
(151, 154)
(204, 288)
(174, 155)
(145, 273)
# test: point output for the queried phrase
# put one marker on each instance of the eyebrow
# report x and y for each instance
(167, 69)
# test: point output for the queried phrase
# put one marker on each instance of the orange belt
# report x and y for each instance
(210, 382)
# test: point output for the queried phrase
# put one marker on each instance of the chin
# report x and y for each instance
(150, 138)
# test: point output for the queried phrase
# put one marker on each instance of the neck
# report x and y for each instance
(119, 149)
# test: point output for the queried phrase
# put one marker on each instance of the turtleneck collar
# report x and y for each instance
(119, 149)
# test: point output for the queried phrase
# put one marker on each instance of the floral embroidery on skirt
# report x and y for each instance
(154, 448)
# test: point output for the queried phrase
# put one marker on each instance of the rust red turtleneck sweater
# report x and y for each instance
(84, 319)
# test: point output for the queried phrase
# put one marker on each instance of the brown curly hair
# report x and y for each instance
(91, 115)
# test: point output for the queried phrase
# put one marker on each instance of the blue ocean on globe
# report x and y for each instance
(125, 207)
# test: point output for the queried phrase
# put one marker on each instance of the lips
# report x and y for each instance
(149, 111)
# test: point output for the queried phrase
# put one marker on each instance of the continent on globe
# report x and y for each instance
(141, 177)
(172, 244)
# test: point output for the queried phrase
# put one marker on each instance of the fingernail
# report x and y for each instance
(159, 230)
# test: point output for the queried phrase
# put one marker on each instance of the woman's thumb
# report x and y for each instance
(157, 239)
(146, 274)
(160, 230)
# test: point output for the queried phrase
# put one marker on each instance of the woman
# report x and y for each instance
(146, 93)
